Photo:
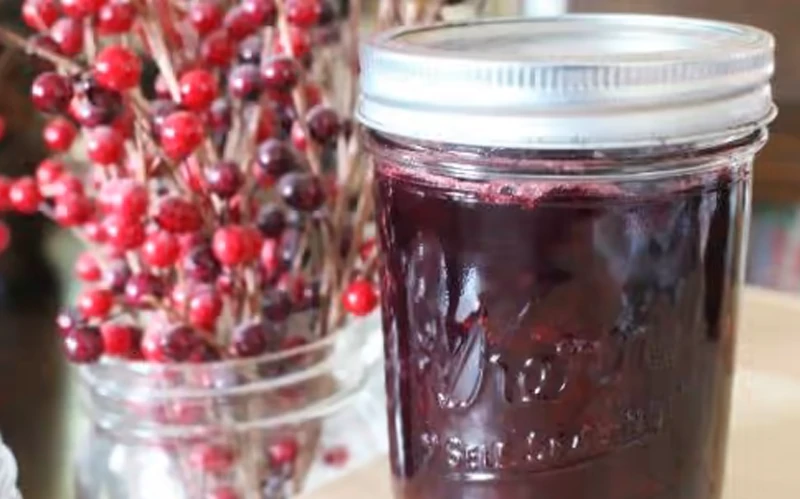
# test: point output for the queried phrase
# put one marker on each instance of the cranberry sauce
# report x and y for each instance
(559, 341)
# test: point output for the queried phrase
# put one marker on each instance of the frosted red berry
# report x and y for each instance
(198, 89)
(160, 249)
(120, 340)
(205, 16)
(217, 49)
(72, 210)
(105, 146)
(177, 215)
(48, 172)
(224, 179)
(123, 234)
(303, 13)
(181, 133)
(87, 269)
(280, 73)
(230, 245)
(67, 33)
(360, 298)
(116, 17)
(83, 345)
(39, 15)
(205, 307)
(117, 68)
(25, 196)
(95, 303)
(51, 92)
(59, 134)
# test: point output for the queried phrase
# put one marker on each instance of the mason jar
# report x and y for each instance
(562, 205)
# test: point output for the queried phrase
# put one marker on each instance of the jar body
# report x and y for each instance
(560, 325)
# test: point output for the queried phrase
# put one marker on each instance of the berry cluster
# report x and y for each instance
(224, 193)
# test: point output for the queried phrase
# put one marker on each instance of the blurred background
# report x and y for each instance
(37, 407)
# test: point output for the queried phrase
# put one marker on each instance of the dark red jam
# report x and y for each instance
(559, 337)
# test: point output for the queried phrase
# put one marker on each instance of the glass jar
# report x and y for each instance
(562, 205)
(239, 429)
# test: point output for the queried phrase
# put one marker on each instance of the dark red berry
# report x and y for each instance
(105, 146)
(116, 275)
(250, 50)
(181, 133)
(244, 82)
(303, 13)
(205, 16)
(263, 11)
(198, 89)
(24, 195)
(83, 345)
(280, 73)
(271, 220)
(360, 298)
(323, 124)
(230, 245)
(267, 124)
(160, 249)
(51, 92)
(240, 23)
(224, 179)
(178, 342)
(48, 172)
(68, 35)
(39, 15)
(219, 115)
(204, 352)
(95, 303)
(249, 340)
(200, 264)
(116, 17)
(204, 309)
(142, 290)
(123, 234)
(276, 305)
(177, 215)
(302, 191)
(121, 340)
(117, 68)
(283, 452)
(59, 134)
(87, 268)
(276, 158)
(79, 9)
(212, 458)
(72, 210)
(217, 49)
(125, 197)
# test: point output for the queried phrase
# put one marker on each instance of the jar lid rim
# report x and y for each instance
(580, 80)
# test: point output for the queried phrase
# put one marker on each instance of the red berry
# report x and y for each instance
(115, 17)
(212, 458)
(48, 172)
(94, 231)
(181, 133)
(68, 35)
(205, 16)
(249, 340)
(117, 68)
(280, 73)
(360, 298)
(283, 452)
(268, 124)
(299, 139)
(5, 192)
(161, 249)
(121, 340)
(126, 198)
(217, 49)
(269, 256)
(177, 215)
(244, 82)
(40, 14)
(151, 348)
(263, 11)
(87, 269)
(300, 43)
(25, 196)
(72, 210)
(142, 290)
(81, 8)
(293, 285)
(66, 183)
(5, 237)
(59, 134)
(230, 245)
(105, 146)
(240, 23)
(95, 303)
(204, 309)
(83, 345)
(123, 234)
(336, 456)
(198, 89)
(200, 264)
(224, 179)
(303, 13)
(51, 92)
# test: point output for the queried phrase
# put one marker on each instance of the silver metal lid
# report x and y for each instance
(578, 81)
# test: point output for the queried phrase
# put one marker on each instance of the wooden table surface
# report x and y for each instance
(765, 429)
